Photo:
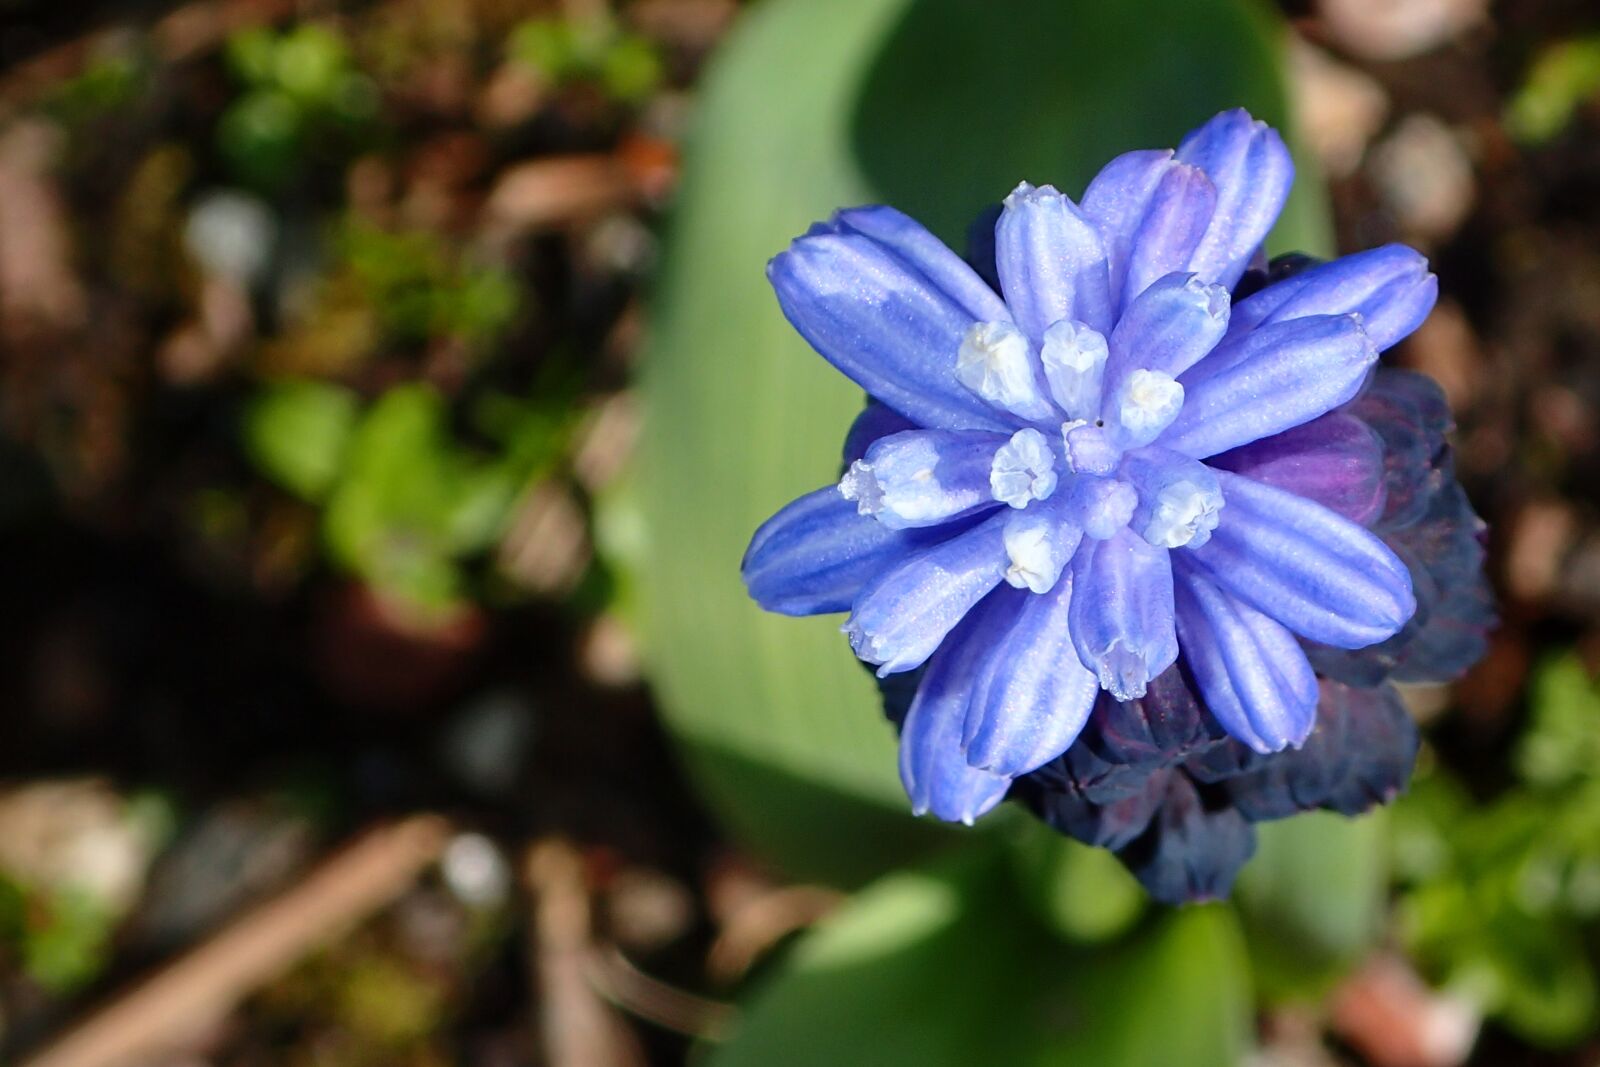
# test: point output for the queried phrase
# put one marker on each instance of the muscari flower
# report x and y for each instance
(1132, 529)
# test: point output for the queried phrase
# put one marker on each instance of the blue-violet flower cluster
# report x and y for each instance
(1132, 527)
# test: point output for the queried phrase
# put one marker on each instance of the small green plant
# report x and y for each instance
(405, 506)
(1562, 77)
(625, 65)
(299, 87)
(1501, 900)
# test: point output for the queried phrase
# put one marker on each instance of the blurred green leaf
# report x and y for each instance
(935, 968)
(1312, 900)
(297, 432)
(1082, 893)
(1561, 78)
(939, 108)
(390, 517)
(1562, 743)
(260, 137)
(311, 62)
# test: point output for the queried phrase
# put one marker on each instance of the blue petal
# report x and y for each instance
(1335, 460)
(1315, 572)
(903, 615)
(1191, 852)
(1247, 162)
(924, 253)
(815, 555)
(1389, 287)
(1270, 380)
(1455, 607)
(1167, 328)
(923, 477)
(1172, 228)
(1034, 696)
(876, 421)
(1116, 201)
(880, 320)
(933, 768)
(1051, 263)
(1254, 676)
(1121, 612)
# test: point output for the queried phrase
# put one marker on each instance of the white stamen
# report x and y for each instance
(861, 485)
(1146, 404)
(994, 363)
(1038, 547)
(1023, 470)
(1074, 358)
(1182, 514)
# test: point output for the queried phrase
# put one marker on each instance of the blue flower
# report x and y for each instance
(1111, 458)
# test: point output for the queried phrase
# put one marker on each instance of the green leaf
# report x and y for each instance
(1312, 899)
(297, 432)
(391, 517)
(933, 968)
(1083, 893)
(1562, 743)
(1562, 77)
(937, 107)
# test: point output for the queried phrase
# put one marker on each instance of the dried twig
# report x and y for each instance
(202, 986)
(579, 1029)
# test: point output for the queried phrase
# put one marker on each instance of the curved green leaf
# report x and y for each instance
(929, 969)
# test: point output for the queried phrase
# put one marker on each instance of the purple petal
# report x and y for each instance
(1191, 852)
(1034, 696)
(1121, 612)
(1112, 824)
(1409, 414)
(933, 768)
(1251, 671)
(1335, 460)
(1318, 573)
(1248, 164)
(1389, 287)
(815, 555)
(881, 321)
(1359, 755)
(1167, 328)
(1172, 228)
(1162, 727)
(1051, 263)
(900, 618)
(1271, 380)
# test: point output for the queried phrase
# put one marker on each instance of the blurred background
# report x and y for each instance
(388, 389)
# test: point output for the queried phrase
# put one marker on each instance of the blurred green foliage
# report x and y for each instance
(61, 935)
(419, 290)
(299, 84)
(626, 66)
(1561, 79)
(1500, 900)
(937, 967)
(405, 505)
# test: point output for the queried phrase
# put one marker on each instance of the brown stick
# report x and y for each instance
(202, 986)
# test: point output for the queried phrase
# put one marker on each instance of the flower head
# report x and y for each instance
(1109, 479)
